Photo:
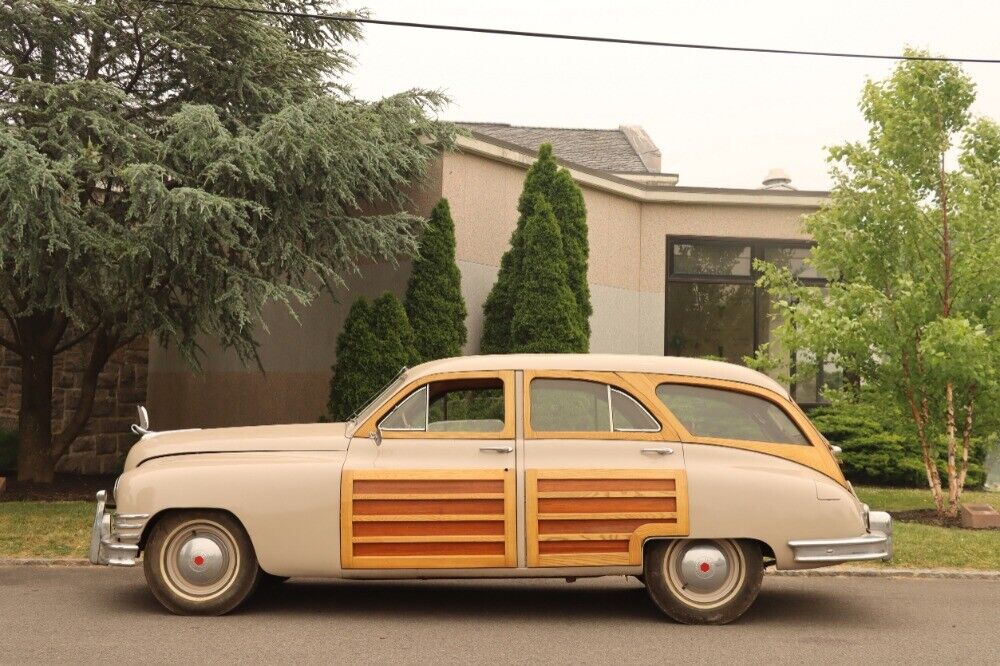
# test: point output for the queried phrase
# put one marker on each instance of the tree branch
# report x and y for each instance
(75, 341)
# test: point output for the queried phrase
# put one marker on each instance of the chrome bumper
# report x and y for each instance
(876, 545)
(114, 539)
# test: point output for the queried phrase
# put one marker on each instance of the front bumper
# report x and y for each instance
(875, 545)
(114, 538)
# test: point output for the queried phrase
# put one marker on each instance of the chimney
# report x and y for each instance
(777, 179)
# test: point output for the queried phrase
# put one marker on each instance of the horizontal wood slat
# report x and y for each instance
(595, 517)
(428, 519)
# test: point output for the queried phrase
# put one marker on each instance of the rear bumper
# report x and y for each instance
(875, 545)
(114, 537)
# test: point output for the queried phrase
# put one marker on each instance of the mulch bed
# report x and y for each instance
(66, 487)
(927, 517)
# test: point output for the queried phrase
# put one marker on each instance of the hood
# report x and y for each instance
(304, 437)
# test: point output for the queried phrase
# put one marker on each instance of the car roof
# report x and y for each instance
(666, 365)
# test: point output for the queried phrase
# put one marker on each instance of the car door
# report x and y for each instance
(604, 469)
(429, 480)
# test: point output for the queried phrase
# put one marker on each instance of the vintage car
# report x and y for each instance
(690, 475)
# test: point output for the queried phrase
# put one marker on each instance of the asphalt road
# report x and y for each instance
(91, 615)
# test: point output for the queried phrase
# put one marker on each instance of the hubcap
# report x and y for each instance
(703, 568)
(200, 560)
(704, 573)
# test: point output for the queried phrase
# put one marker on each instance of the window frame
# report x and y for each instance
(507, 433)
(612, 380)
(757, 251)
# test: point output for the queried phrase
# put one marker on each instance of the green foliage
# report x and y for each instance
(880, 445)
(376, 342)
(907, 241)
(8, 450)
(434, 302)
(559, 192)
(169, 170)
(545, 312)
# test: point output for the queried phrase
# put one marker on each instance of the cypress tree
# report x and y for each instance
(545, 314)
(498, 310)
(377, 341)
(353, 379)
(434, 302)
(571, 213)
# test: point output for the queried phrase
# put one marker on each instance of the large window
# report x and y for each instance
(573, 405)
(466, 405)
(714, 309)
(716, 413)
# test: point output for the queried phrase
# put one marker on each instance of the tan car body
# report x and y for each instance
(291, 485)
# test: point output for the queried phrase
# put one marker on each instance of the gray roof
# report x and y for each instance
(601, 149)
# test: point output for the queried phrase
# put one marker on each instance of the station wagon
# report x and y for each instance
(690, 475)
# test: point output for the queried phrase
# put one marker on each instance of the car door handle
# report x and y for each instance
(496, 449)
(664, 451)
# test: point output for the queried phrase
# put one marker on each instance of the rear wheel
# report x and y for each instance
(703, 581)
(200, 563)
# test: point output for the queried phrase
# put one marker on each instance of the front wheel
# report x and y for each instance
(703, 581)
(200, 563)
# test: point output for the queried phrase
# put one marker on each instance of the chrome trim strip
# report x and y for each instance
(870, 539)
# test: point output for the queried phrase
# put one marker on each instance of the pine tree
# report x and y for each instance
(376, 343)
(571, 213)
(354, 379)
(545, 313)
(434, 300)
(395, 349)
(498, 310)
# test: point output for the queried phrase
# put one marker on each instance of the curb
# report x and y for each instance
(44, 562)
(857, 572)
(854, 572)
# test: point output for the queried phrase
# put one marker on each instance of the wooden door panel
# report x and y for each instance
(428, 519)
(600, 517)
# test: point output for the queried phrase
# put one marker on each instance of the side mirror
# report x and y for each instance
(376, 436)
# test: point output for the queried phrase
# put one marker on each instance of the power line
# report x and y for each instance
(563, 36)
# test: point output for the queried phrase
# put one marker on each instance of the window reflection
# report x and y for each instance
(710, 320)
(711, 259)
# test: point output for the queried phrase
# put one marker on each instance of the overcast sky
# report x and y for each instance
(720, 119)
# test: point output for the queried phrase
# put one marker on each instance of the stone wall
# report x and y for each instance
(101, 447)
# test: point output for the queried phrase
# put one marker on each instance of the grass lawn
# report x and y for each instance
(62, 529)
(45, 529)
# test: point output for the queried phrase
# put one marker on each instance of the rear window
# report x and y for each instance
(710, 412)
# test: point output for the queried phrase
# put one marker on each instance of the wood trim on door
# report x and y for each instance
(601, 517)
(507, 376)
(428, 519)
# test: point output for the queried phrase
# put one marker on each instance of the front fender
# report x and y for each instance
(289, 502)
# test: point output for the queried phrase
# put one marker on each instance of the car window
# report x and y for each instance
(710, 412)
(575, 405)
(410, 414)
(627, 415)
(475, 405)
(465, 405)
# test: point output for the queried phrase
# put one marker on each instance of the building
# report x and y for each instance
(670, 269)
(670, 273)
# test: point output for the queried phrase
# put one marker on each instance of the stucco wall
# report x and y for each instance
(627, 272)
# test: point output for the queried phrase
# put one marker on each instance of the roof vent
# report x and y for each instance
(777, 179)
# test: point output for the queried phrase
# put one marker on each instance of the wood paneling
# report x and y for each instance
(403, 519)
(600, 517)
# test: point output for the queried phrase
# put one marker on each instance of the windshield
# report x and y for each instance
(366, 410)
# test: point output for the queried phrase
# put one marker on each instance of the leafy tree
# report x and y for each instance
(545, 313)
(168, 170)
(354, 380)
(376, 342)
(909, 239)
(434, 300)
(563, 196)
